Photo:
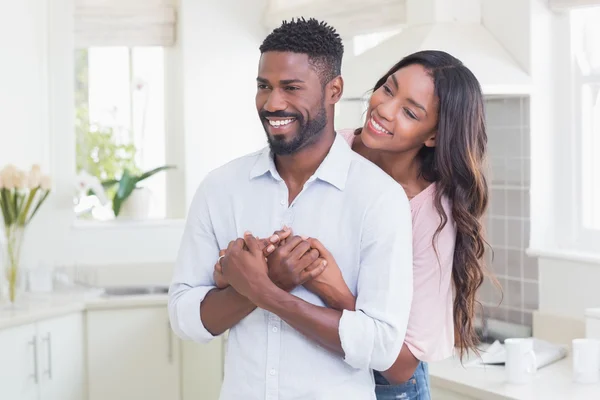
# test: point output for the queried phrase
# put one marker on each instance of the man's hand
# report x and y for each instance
(330, 285)
(244, 266)
(220, 281)
(267, 246)
(293, 263)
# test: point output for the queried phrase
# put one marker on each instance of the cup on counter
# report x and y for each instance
(521, 364)
(586, 360)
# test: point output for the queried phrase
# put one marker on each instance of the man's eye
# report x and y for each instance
(292, 88)
(262, 87)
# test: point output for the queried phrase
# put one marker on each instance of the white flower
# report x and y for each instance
(46, 182)
(86, 182)
(21, 180)
(35, 177)
(8, 176)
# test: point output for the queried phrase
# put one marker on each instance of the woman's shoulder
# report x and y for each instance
(425, 215)
(347, 134)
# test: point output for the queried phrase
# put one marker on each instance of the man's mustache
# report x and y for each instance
(264, 114)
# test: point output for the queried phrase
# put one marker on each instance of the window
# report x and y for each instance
(586, 51)
(120, 124)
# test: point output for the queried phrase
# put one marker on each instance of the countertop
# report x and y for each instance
(553, 381)
(40, 307)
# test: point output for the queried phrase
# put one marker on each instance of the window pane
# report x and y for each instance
(586, 39)
(590, 159)
(120, 125)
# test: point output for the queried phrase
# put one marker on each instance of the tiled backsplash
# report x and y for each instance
(508, 216)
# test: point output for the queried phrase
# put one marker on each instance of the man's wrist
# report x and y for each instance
(267, 296)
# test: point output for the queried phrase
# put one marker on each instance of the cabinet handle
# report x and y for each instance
(170, 344)
(48, 340)
(35, 376)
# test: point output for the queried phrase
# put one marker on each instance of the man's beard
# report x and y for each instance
(308, 132)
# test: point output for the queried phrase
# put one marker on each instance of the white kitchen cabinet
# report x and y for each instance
(19, 376)
(43, 361)
(132, 354)
(61, 363)
(202, 369)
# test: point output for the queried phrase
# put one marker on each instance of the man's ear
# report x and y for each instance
(334, 90)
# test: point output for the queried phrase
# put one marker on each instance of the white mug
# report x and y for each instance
(586, 360)
(521, 364)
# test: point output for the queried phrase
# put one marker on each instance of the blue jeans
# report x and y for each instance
(416, 388)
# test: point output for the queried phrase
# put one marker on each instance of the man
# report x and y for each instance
(283, 343)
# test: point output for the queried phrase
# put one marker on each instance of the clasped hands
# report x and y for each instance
(250, 265)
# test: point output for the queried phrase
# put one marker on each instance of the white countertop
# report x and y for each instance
(551, 382)
(41, 307)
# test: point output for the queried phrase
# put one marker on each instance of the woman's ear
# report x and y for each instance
(430, 142)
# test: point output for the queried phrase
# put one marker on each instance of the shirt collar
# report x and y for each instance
(334, 168)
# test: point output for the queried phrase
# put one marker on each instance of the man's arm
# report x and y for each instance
(197, 309)
(371, 336)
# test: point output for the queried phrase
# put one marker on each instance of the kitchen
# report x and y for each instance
(90, 320)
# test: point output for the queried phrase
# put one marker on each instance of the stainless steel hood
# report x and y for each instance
(453, 26)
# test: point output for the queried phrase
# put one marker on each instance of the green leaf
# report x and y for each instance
(126, 187)
(38, 205)
(4, 205)
(25, 211)
(6, 200)
(154, 171)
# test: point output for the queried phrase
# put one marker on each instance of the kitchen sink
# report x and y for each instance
(135, 290)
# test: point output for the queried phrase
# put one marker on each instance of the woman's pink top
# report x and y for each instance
(430, 333)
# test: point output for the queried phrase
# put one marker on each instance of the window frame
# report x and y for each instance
(584, 238)
(174, 150)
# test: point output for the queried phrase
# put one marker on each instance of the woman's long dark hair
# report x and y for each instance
(456, 164)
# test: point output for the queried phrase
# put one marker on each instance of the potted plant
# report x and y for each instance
(129, 199)
(21, 196)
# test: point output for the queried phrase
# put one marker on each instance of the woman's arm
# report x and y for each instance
(332, 289)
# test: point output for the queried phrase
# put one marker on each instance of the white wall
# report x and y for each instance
(23, 113)
(219, 43)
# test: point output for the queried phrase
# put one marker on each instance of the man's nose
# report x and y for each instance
(275, 102)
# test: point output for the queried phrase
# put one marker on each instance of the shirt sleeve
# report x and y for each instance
(193, 273)
(372, 336)
(430, 334)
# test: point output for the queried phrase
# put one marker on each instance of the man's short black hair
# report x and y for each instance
(318, 40)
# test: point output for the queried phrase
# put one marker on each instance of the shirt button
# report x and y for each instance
(272, 372)
(275, 329)
(282, 202)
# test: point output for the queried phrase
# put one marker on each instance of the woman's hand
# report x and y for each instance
(267, 245)
(330, 285)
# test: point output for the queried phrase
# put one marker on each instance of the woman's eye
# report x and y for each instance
(387, 89)
(410, 114)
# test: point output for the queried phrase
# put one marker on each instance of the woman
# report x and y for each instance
(425, 127)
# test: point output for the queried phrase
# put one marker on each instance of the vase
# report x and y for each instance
(11, 243)
(137, 205)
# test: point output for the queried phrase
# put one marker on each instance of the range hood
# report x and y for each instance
(453, 26)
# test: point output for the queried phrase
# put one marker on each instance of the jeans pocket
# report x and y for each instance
(406, 391)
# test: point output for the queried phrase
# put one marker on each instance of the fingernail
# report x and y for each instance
(324, 263)
(270, 248)
(247, 233)
(304, 237)
(286, 228)
(274, 238)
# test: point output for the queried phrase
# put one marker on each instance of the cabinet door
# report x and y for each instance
(132, 354)
(61, 364)
(19, 372)
(202, 369)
